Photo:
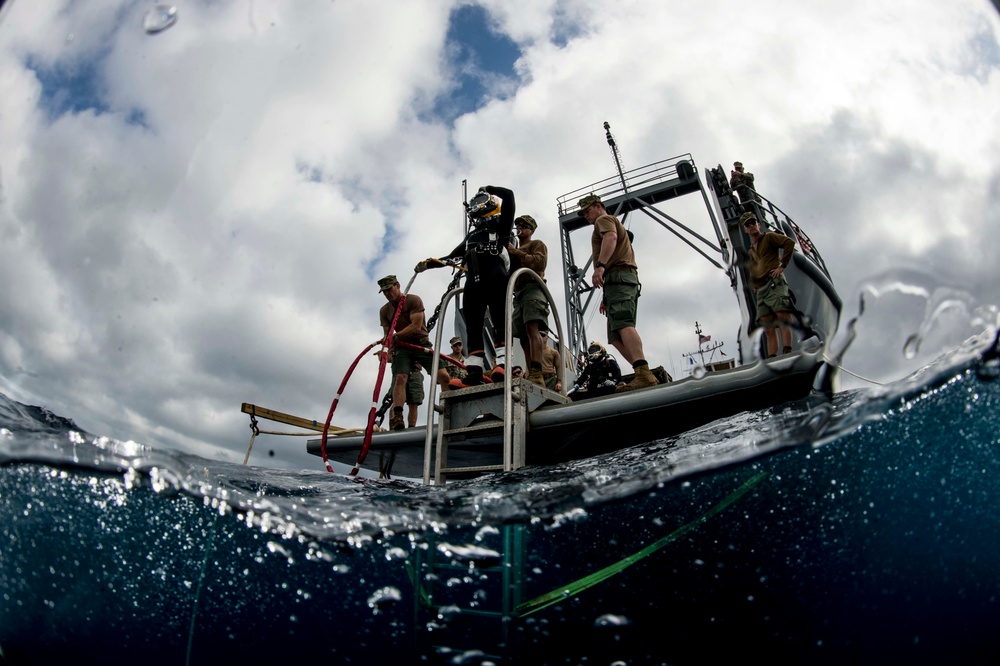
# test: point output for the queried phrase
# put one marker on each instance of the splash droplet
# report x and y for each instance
(912, 347)
(159, 18)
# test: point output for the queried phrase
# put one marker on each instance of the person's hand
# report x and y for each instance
(598, 278)
(603, 309)
(429, 262)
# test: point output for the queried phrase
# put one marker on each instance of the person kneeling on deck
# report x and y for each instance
(411, 329)
(456, 373)
(600, 376)
(531, 307)
(616, 272)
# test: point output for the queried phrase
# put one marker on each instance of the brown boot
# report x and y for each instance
(396, 422)
(535, 377)
(643, 378)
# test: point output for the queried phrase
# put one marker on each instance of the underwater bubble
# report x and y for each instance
(387, 596)
(472, 554)
(159, 18)
(611, 620)
(396, 553)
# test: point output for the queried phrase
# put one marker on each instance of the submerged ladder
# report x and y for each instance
(458, 595)
(475, 420)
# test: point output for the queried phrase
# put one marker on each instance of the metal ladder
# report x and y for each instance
(482, 415)
(490, 589)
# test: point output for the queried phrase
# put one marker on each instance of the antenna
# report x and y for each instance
(710, 350)
(465, 204)
(617, 155)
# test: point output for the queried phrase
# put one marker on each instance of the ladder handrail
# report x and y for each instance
(508, 406)
(435, 365)
(508, 402)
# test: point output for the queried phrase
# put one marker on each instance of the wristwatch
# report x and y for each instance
(599, 264)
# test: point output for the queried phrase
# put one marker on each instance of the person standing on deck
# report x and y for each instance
(742, 181)
(770, 254)
(616, 272)
(410, 328)
(550, 363)
(531, 307)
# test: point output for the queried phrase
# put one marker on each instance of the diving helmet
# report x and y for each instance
(596, 352)
(483, 205)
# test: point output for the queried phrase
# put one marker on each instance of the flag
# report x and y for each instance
(702, 339)
(690, 361)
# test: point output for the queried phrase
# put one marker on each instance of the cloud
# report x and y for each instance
(196, 218)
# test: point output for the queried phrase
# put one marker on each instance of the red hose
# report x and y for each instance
(336, 400)
(378, 385)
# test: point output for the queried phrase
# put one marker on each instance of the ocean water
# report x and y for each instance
(862, 529)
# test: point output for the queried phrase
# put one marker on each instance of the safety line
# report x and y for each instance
(197, 591)
(576, 587)
(853, 374)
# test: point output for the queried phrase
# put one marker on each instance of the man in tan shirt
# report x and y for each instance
(531, 307)
(616, 272)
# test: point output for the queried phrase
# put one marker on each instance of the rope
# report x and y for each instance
(197, 591)
(338, 431)
(575, 588)
(852, 374)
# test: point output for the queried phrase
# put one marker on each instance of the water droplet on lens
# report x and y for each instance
(699, 372)
(911, 347)
(70, 38)
(159, 18)
(988, 370)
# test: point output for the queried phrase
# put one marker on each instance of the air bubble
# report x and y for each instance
(912, 347)
(159, 18)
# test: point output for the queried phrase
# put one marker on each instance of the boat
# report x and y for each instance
(508, 425)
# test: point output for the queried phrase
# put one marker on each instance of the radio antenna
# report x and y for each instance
(617, 155)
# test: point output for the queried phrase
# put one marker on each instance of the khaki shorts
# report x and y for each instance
(404, 360)
(621, 299)
(415, 388)
(530, 304)
(772, 298)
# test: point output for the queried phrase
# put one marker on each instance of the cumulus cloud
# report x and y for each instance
(196, 218)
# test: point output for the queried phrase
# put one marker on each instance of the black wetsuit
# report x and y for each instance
(485, 255)
(598, 378)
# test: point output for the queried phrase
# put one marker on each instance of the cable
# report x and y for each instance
(566, 591)
(852, 374)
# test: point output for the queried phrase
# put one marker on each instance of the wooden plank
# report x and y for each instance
(288, 419)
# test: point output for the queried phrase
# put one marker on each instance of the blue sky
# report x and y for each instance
(481, 59)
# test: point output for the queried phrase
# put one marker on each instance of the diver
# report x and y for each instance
(601, 375)
(484, 254)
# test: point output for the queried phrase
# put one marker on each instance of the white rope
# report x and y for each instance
(853, 374)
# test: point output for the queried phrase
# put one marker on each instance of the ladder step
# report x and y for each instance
(477, 427)
(462, 470)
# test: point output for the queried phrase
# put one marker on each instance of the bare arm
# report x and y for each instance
(608, 243)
